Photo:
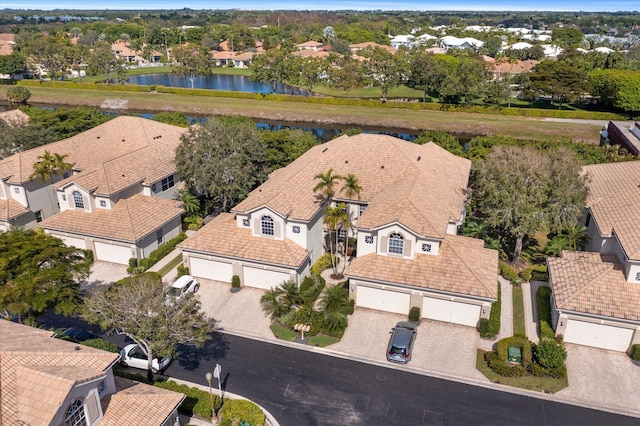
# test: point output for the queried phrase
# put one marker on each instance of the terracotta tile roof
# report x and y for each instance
(37, 371)
(14, 115)
(308, 53)
(130, 220)
(223, 237)
(462, 266)
(138, 404)
(614, 200)
(593, 284)
(421, 186)
(121, 152)
(11, 209)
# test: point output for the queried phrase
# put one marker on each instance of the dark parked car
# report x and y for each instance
(401, 342)
(76, 335)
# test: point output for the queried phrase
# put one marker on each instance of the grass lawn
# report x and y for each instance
(322, 340)
(169, 266)
(283, 333)
(518, 310)
(541, 384)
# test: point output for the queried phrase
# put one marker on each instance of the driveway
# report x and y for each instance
(601, 377)
(103, 274)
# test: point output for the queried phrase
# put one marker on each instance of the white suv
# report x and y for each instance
(183, 285)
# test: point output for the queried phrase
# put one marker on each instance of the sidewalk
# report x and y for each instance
(506, 316)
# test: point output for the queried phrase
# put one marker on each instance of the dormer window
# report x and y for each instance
(396, 243)
(77, 200)
(362, 208)
(245, 222)
(75, 414)
(267, 227)
(426, 247)
(637, 276)
(103, 203)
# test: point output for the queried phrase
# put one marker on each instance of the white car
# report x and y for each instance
(132, 356)
(183, 285)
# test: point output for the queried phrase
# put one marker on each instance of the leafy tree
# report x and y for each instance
(223, 159)
(175, 118)
(443, 139)
(558, 79)
(567, 37)
(617, 88)
(18, 95)
(312, 71)
(103, 61)
(12, 64)
(191, 61)
(496, 91)
(46, 51)
(39, 272)
(65, 122)
(137, 308)
(387, 70)
(18, 136)
(285, 145)
(347, 76)
(522, 191)
(272, 67)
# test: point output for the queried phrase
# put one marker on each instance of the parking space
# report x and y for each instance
(103, 274)
(605, 378)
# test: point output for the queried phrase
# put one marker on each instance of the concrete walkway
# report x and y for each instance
(530, 312)
(506, 316)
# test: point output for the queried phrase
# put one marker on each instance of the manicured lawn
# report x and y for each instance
(169, 266)
(518, 310)
(541, 384)
(283, 333)
(322, 340)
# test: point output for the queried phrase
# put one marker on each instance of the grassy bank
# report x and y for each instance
(461, 123)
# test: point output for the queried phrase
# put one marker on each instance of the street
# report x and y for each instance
(307, 388)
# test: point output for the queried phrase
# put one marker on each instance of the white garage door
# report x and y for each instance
(73, 242)
(598, 335)
(261, 278)
(112, 253)
(448, 311)
(383, 300)
(210, 269)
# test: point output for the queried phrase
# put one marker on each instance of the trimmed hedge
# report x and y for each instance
(310, 289)
(508, 272)
(308, 315)
(502, 368)
(182, 270)
(235, 281)
(546, 330)
(414, 314)
(635, 352)
(102, 344)
(543, 299)
(242, 412)
(502, 349)
(323, 262)
(490, 328)
(162, 251)
(197, 401)
(539, 273)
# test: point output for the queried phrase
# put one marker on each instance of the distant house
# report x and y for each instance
(623, 134)
(124, 51)
(407, 252)
(596, 294)
(355, 48)
(451, 42)
(402, 40)
(48, 381)
(117, 199)
(310, 45)
(227, 58)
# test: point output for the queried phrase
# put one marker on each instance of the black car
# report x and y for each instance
(76, 335)
(401, 342)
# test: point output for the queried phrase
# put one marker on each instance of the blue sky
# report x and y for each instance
(522, 5)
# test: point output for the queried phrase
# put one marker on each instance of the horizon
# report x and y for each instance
(589, 6)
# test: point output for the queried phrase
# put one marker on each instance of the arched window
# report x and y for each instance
(77, 200)
(396, 243)
(267, 225)
(75, 414)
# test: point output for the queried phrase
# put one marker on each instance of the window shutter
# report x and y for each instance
(70, 201)
(277, 227)
(256, 226)
(92, 408)
(407, 247)
(384, 244)
(86, 202)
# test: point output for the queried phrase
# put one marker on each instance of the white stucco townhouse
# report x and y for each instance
(411, 204)
(595, 294)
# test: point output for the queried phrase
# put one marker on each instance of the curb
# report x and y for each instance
(435, 374)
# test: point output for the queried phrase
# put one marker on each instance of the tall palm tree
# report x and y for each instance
(575, 236)
(557, 245)
(475, 229)
(335, 299)
(271, 303)
(351, 189)
(326, 184)
(49, 165)
(336, 218)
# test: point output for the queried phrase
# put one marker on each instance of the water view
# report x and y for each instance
(233, 83)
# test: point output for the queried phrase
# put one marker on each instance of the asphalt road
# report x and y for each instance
(306, 388)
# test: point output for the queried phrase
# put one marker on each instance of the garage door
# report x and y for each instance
(261, 278)
(112, 253)
(448, 311)
(210, 269)
(73, 242)
(598, 335)
(383, 300)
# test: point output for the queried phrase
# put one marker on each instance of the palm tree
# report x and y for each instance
(336, 218)
(576, 237)
(352, 189)
(190, 202)
(326, 184)
(290, 294)
(48, 166)
(557, 245)
(271, 303)
(335, 299)
(475, 229)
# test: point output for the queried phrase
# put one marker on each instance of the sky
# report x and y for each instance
(439, 5)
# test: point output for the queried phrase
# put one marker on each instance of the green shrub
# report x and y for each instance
(196, 402)
(546, 331)
(550, 354)
(558, 372)
(136, 270)
(537, 370)
(153, 275)
(501, 367)
(241, 411)
(635, 352)
(102, 344)
(334, 324)
(308, 315)
(142, 378)
(323, 262)
(539, 273)
(133, 262)
(502, 349)
(483, 327)
(235, 281)
(310, 288)
(526, 274)
(162, 251)
(543, 300)
(508, 272)
(182, 270)
(18, 95)
(493, 324)
(414, 314)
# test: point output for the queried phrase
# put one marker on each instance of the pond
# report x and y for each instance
(232, 83)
